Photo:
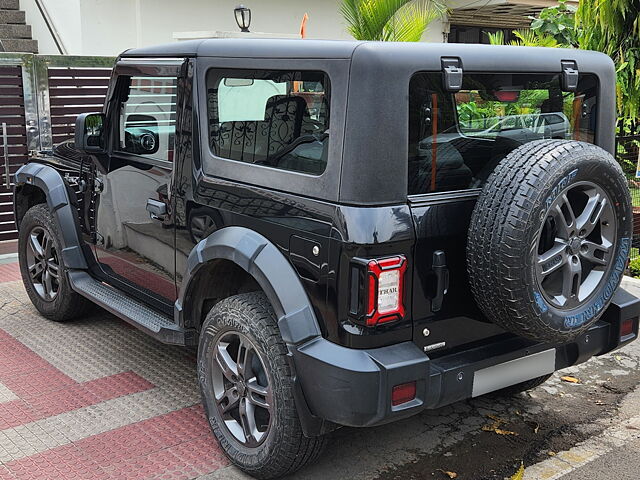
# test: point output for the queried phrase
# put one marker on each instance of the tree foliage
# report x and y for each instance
(557, 22)
(608, 26)
(527, 38)
(390, 20)
(613, 27)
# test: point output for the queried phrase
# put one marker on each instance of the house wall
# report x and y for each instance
(107, 27)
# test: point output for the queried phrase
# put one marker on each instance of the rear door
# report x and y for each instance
(455, 141)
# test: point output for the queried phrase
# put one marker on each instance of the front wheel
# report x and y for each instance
(247, 389)
(42, 268)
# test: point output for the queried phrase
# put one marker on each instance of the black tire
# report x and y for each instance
(284, 449)
(521, 387)
(66, 304)
(516, 282)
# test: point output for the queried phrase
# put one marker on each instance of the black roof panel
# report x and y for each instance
(249, 47)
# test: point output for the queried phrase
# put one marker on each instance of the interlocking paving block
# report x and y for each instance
(178, 443)
(6, 395)
(9, 272)
(95, 398)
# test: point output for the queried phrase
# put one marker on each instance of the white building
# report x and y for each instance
(107, 27)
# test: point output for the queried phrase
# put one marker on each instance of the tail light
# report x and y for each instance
(377, 297)
(403, 393)
(627, 327)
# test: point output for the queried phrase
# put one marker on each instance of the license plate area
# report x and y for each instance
(515, 371)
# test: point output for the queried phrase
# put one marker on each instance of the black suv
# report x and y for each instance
(350, 232)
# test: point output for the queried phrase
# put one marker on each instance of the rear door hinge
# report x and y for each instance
(570, 75)
(452, 73)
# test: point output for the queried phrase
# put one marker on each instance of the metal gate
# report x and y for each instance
(40, 97)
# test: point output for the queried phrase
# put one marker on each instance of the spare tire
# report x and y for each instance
(549, 239)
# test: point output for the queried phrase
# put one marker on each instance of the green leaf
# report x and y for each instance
(389, 19)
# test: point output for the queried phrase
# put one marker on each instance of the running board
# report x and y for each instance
(136, 313)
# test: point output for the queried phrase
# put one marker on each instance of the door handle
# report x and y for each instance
(442, 279)
(157, 209)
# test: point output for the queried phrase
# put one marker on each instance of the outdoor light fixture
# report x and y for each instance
(243, 17)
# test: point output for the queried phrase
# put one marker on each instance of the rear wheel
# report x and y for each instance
(42, 268)
(247, 389)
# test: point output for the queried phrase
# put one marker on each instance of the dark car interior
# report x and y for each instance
(289, 137)
(457, 139)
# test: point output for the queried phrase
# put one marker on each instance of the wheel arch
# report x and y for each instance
(24, 197)
(35, 182)
(249, 260)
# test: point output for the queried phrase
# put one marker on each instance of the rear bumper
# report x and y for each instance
(353, 387)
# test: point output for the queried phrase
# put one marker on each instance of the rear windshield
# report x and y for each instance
(457, 139)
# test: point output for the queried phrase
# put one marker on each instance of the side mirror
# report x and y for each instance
(90, 134)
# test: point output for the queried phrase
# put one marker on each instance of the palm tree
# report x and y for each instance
(390, 20)
(528, 38)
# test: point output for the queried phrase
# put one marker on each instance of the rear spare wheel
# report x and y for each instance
(549, 239)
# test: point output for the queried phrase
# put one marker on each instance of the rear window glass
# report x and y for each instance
(457, 139)
(274, 118)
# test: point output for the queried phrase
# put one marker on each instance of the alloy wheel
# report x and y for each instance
(43, 264)
(241, 387)
(575, 246)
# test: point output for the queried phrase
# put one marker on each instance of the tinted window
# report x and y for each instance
(457, 139)
(148, 118)
(278, 119)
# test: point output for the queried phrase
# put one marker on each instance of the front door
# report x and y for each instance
(136, 238)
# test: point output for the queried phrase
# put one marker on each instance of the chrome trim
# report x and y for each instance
(425, 199)
(5, 151)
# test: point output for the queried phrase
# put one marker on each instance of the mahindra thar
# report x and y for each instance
(349, 232)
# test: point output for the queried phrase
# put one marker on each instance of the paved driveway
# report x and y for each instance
(97, 399)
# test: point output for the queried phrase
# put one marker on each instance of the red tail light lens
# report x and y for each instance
(403, 393)
(626, 327)
(385, 290)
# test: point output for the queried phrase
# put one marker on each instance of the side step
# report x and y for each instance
(138, 314)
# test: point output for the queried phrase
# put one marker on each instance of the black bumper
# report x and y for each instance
(353, 387)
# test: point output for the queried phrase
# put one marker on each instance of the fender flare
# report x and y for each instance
(264, 262)
(50, 181)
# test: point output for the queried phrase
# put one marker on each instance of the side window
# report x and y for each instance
(148, 118)
(457, 139)
(274, 118)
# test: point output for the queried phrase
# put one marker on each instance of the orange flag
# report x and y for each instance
(303, 26)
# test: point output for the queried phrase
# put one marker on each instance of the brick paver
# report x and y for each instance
(95, 399)
(9, 272)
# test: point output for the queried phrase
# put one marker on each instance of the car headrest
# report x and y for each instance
(285, 105)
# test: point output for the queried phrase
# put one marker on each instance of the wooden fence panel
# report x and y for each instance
(73, 91)
(12, 114)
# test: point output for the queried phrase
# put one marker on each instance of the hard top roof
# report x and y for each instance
(249, 47)
(475, 57)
